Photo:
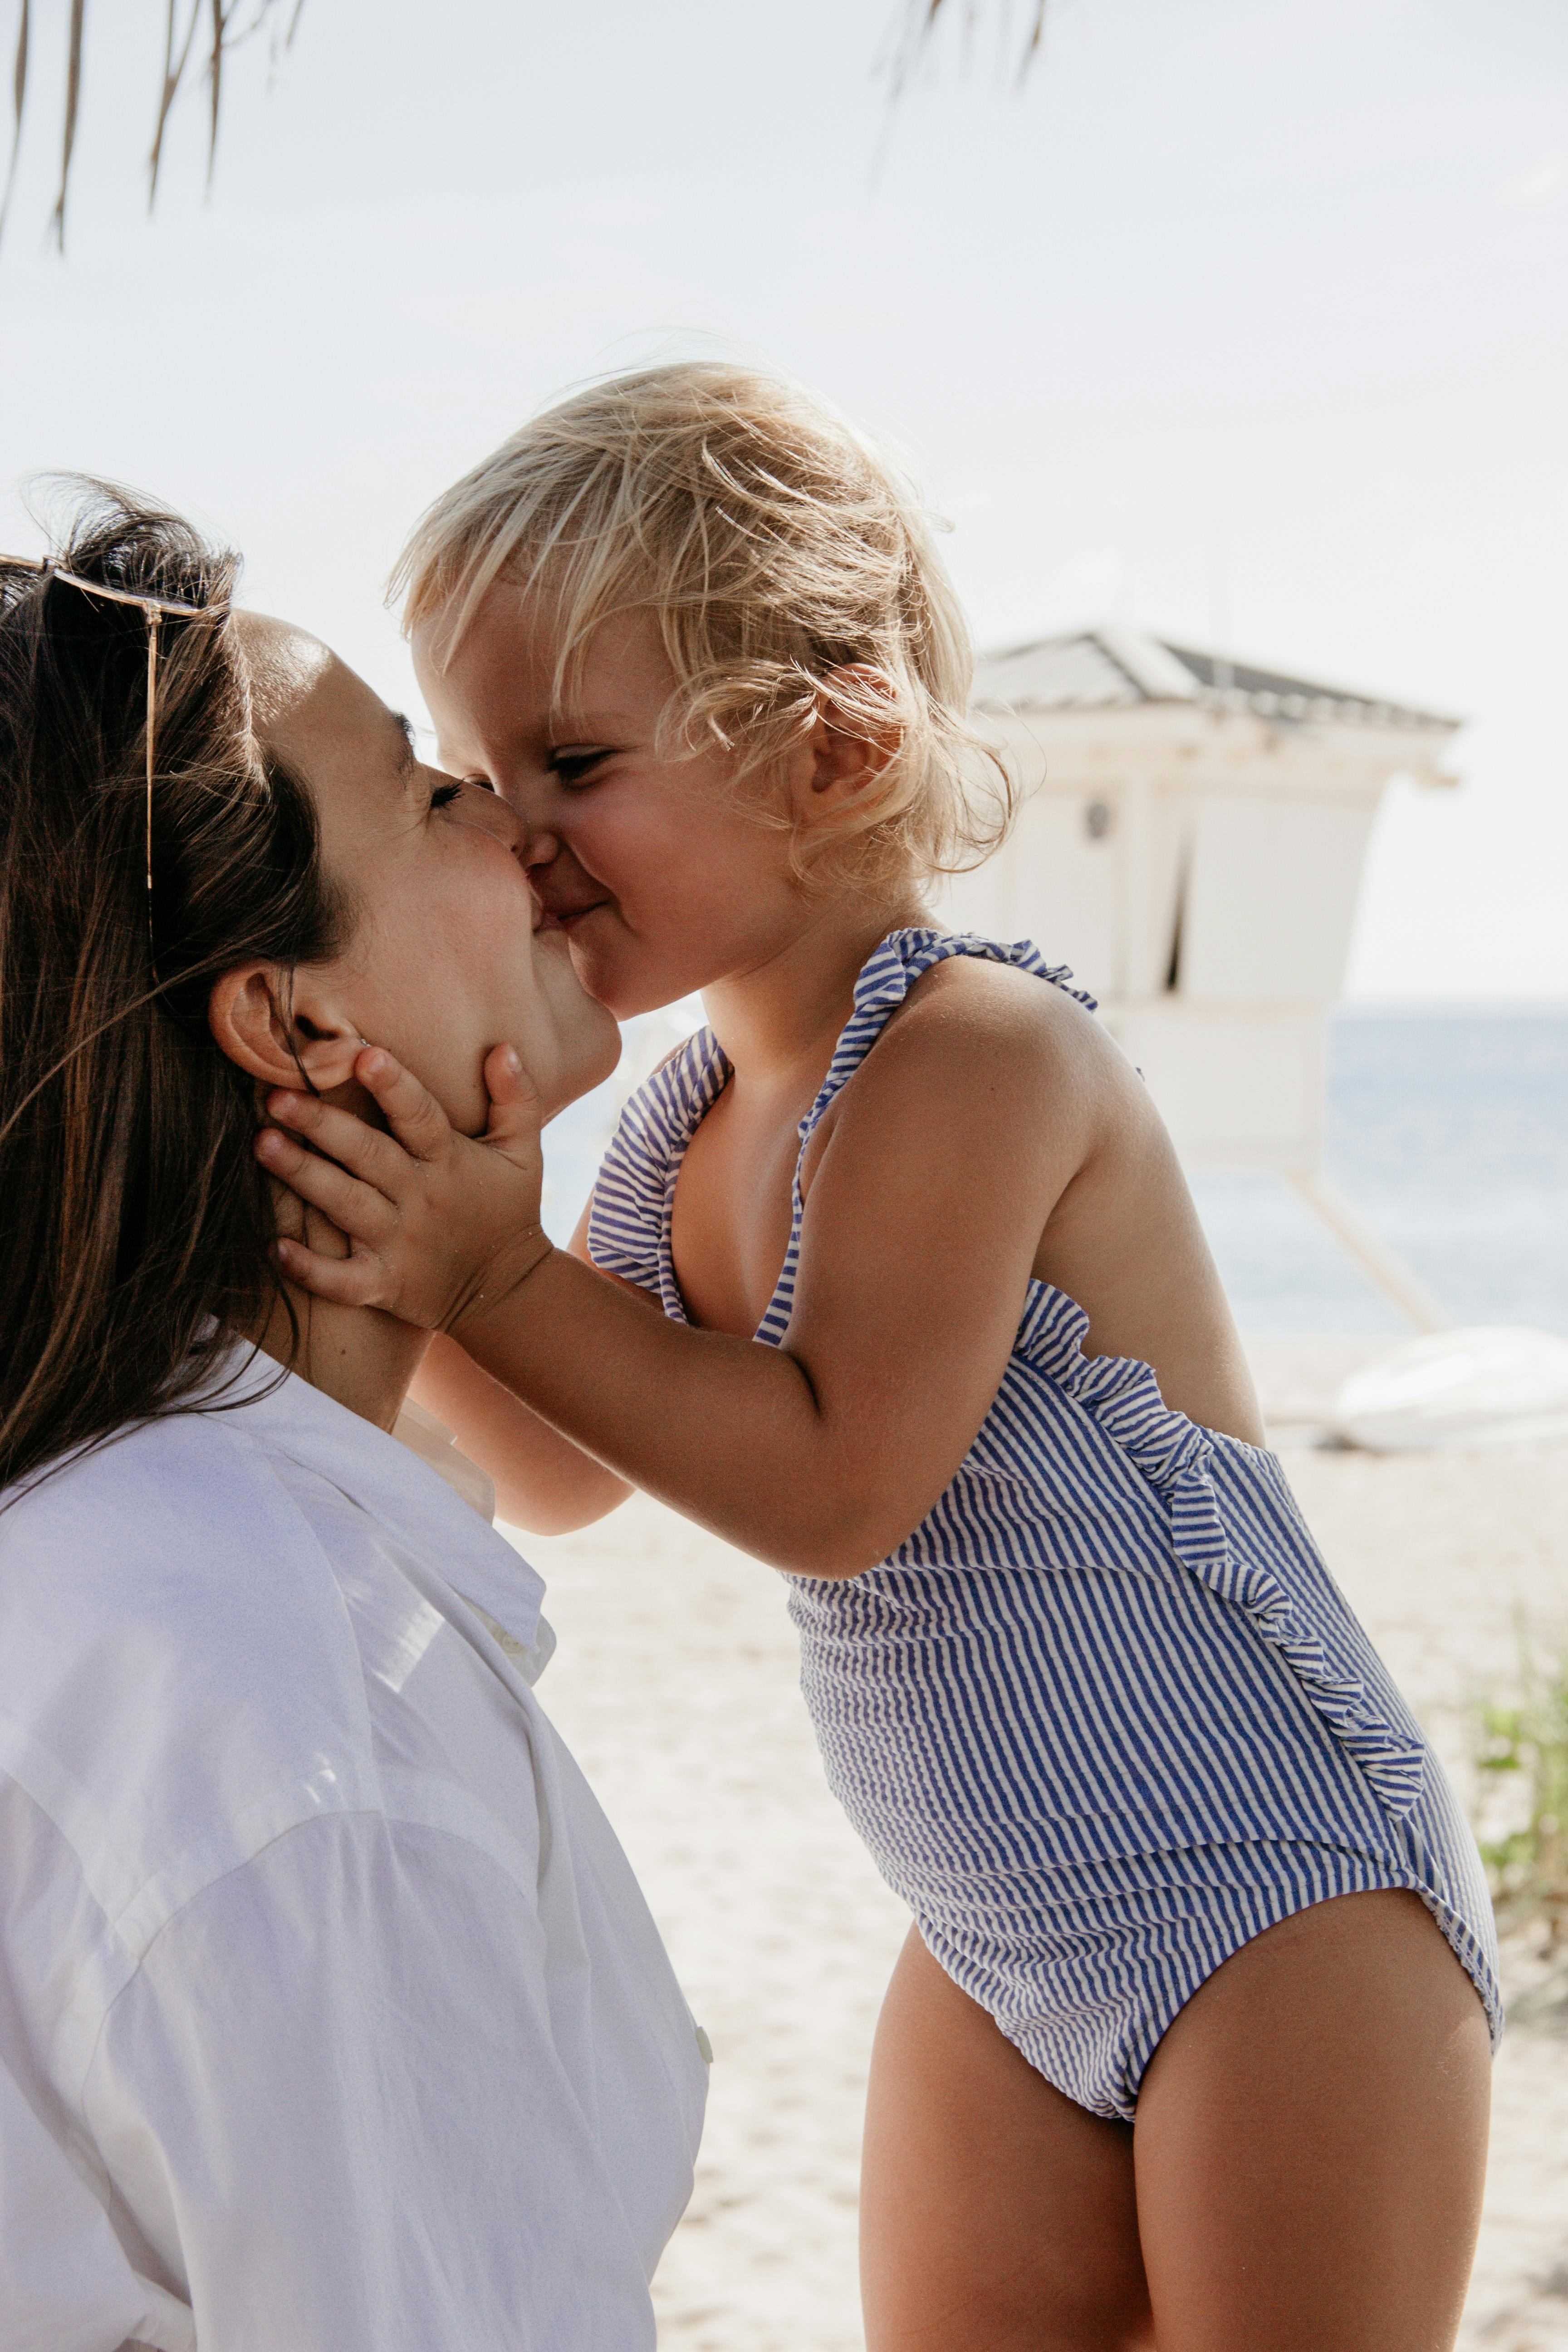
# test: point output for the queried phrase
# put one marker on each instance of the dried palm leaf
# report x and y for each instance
(215, 76)
(175, 64)
(73, 99)
(223, 36)
(19, 96)
(920, 20)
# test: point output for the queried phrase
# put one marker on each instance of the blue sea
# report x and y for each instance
(1448, 1132)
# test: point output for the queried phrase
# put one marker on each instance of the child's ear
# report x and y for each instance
(856, 735)
(276, 1024)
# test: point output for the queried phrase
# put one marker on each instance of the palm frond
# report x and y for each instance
(1036, 34)
(19, 100)
(73, 100)
(919, 22)
(225, 34)
(175, 64)
(215, 76)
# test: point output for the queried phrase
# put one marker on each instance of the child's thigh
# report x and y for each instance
(995, 2215)
(1310, 2141)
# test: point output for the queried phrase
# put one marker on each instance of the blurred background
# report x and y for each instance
(1235, 326)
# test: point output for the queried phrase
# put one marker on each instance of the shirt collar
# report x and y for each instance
(415, 1506)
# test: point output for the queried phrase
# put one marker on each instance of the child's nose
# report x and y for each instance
(530, 801)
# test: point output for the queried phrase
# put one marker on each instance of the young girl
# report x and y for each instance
(1185, 2046)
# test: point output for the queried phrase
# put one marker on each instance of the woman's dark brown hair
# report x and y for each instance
(134, 1223)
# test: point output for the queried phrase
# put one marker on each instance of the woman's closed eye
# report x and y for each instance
(473, 802)
(446, 794)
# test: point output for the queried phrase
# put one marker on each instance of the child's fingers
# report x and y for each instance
(375, 1159)
(344, 1281)
(514, 1123)
(413, 1113)
(357, 1210)
(505, 1078)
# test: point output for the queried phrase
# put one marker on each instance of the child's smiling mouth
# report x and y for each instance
(561, 908)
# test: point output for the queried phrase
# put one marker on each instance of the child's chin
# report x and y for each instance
(614, 989)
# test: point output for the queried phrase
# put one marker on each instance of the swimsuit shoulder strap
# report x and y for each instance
(628, 1216)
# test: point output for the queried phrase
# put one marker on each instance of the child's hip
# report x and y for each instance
(1087, 1985)
(1015, 1727)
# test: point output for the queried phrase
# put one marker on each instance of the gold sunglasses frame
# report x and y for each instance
(151, 609)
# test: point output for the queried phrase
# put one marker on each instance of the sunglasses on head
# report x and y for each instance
(152, 609)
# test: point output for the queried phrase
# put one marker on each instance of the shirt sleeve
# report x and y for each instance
(331, 2101)
(67, 2284)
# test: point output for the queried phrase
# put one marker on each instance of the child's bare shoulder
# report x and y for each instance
(973, 1010)
(978, 1044)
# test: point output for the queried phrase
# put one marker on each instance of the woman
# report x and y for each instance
(329, 2013)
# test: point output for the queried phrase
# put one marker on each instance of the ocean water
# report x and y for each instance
(1448, 1132)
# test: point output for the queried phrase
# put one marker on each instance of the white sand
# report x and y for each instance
(675, 1685)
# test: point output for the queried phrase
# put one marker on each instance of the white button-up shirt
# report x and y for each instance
(332, 2018)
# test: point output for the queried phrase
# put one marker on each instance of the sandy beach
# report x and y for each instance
(675, 1683)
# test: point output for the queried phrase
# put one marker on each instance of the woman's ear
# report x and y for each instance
(854, 740)
(278, 1027)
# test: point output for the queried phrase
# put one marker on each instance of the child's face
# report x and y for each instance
(662, 880)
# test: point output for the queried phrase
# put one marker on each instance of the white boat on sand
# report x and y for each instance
(1493, 1385)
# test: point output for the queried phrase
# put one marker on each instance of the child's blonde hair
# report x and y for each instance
(792, 572)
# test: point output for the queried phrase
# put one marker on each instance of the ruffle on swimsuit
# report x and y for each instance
(1177, 1457)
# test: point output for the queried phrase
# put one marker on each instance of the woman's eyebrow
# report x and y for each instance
(407, 760)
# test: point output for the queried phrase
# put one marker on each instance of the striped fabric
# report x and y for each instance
(1104, 1715)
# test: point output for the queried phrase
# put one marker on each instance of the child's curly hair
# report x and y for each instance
(792, 573)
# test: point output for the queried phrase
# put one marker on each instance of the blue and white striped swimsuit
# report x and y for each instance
(1104, 1715)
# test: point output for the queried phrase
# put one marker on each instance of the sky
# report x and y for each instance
(1242, 319)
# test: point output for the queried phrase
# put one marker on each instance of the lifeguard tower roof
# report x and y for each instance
(1190, 840)
(1098, 669)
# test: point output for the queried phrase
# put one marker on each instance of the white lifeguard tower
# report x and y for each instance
(1192, 843)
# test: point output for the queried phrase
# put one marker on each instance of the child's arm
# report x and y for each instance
(543, 1483)
(925, 1209)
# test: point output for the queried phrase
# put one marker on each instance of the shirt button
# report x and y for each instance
(704, 2047)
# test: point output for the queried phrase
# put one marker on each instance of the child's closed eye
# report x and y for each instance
(576, 767)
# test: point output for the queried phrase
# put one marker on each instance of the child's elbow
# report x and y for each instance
(839, 1543)
(558, 1512)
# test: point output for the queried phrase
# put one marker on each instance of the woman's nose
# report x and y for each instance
(497, 816)
(539, 846)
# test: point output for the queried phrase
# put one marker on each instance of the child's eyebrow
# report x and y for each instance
(589, 726)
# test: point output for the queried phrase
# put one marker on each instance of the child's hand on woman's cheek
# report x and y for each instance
(440, 1226)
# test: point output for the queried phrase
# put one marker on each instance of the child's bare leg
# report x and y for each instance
(1305, 2176)
(1312, 2138)
(995, 2215)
